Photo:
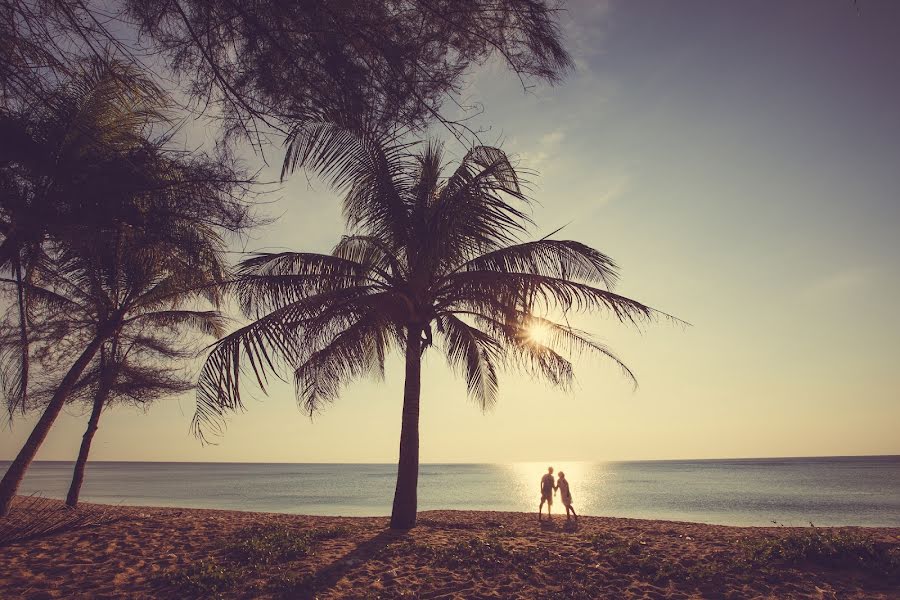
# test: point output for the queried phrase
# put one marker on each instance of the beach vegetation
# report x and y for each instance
(275, 544)
(289, 584)
(825, 547)
(482, 554)
(269, 545)
(206, 578)
(261, 71)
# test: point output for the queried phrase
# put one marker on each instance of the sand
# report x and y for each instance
(450, 554)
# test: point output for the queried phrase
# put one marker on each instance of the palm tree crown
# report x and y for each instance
(428, 261)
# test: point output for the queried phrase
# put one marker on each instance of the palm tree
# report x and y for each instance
(141, 364)
(427, 261)
(111, 288)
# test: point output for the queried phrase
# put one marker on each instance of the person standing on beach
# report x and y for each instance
(565, 495)
(548, 489)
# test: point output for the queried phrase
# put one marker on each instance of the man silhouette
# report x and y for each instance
(547, 490)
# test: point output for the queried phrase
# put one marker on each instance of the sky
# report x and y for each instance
(741, 163)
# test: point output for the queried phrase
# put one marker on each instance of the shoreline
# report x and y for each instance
(559, 512)
(141, 552)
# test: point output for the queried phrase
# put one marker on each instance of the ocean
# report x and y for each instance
(788, 491)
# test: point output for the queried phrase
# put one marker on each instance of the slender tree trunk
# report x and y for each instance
(23, 334)
(16, 472)
(93, 423)
(403, 515)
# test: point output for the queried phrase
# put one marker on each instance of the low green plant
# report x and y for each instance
(488, 554)
(831, 548)
(292, 585)
(265, 546)
(274, 544)
(204, 579)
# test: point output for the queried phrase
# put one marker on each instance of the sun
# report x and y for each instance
(538, 333)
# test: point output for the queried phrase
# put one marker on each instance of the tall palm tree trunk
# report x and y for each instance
(100, 397)
(16, 472)
(403, 515)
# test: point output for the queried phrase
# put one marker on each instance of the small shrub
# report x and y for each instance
(293, 585)
(473, 552)
(830, 548)
(204, 579)
(603, 541)
(273, 544)
(488, 554)
(329, 533)
(269, 545)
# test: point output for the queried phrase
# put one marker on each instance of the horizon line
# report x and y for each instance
(442, 463)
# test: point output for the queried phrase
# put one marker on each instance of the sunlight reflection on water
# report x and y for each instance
(527, 477)
(826, 491)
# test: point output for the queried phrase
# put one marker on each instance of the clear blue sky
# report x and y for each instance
(741, 162)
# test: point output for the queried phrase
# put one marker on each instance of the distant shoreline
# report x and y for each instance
(444, 464)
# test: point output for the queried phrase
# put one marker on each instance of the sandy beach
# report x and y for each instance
(181, 553)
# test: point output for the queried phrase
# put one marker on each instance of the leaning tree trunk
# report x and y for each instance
(16, 472)
(23, 334)
(403, 515)
(100, 397)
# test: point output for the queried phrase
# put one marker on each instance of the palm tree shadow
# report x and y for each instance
(328, 576)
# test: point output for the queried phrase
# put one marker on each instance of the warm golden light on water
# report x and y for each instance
(528, 475)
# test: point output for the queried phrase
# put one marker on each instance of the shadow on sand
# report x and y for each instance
(326, 577)
(559, 525)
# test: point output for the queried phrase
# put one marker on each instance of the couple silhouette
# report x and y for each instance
(549, 489)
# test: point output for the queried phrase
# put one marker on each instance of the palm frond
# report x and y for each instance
(358, 350)
(562, 259)
(267, 282)
(474, 354)
(373, 254)
(366, 167)
(480, 208)
(495, 292)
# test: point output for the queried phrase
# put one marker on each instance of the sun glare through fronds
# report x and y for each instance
(538, 333)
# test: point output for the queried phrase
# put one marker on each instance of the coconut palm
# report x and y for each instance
(139, 365)
(428, 261)
(110, 287)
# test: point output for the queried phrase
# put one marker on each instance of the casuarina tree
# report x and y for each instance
(101, 215)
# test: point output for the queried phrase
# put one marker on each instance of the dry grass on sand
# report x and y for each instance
(181, 553)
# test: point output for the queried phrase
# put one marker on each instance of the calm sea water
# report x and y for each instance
(791, 491)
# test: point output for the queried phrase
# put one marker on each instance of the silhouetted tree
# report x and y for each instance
(396, 62)
(139, 365)
(67, 165)
(88, 170)
(108, 285)
(87, 160)
(281, 62)
(426, 257)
